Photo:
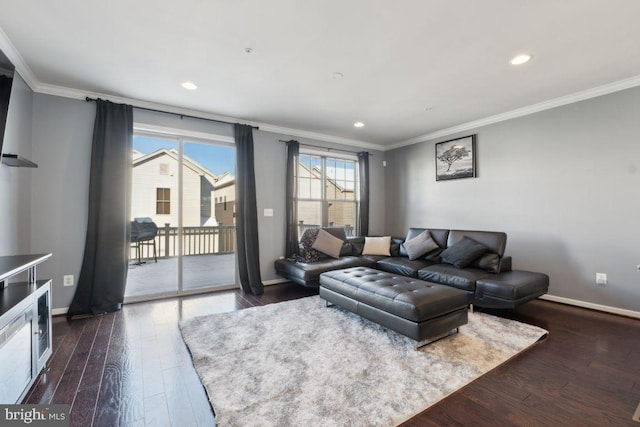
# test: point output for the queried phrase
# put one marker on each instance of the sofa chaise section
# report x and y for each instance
(308, 274)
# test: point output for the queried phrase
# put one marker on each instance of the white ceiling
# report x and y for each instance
(398, 58)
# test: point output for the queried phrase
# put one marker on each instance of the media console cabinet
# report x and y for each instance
(25, 325)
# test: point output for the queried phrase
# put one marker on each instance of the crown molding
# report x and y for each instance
(67, 92)
(18, 61)
(535, 108)
(321, 137)
(80, 94)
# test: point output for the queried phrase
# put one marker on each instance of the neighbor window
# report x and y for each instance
(164, 169)
(163, 201)
(326, 192)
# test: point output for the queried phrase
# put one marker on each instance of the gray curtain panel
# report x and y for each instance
(247, 213)
(291, 244)
(104, 267)
(363, 212)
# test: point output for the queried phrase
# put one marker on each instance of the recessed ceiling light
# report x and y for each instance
(358, 125)
(337, 76)
(189, 85)
(520, 59)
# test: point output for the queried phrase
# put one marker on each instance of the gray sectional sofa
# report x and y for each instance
(488, 279)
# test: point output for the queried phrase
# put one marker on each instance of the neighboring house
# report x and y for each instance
(224, 199)
(155, 193)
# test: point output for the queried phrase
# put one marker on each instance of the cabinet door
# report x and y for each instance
(15, 355)
(43, 326)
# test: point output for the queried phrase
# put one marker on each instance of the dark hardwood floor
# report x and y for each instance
(131, 368)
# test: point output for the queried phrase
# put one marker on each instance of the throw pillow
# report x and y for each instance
(305, 251)
(463, 252)
(336, 232)
(420, 245)
(377, 246)
(488, 262)
(347, 249)
(328, 244)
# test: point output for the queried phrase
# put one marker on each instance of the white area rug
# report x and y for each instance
(299, 363)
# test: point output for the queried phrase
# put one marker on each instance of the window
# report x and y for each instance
(163, 201)
(164, 169)
(327, 192)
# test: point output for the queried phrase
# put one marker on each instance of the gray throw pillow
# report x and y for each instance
(420, 245)
(463, 252)
(488, 262)
(328, 244)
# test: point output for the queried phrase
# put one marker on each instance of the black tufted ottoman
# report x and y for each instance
(422, 311)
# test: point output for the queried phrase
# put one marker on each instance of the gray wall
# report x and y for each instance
(562, 183)
(15, 183)
(62, 131)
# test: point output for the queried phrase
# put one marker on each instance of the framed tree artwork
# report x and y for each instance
(456, 158)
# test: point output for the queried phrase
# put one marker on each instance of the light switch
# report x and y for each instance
(268, 212)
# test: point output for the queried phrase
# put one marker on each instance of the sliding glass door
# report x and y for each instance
(182, 217)
(208, 216)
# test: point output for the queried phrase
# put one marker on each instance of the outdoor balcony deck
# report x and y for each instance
(199, 271)
(208, 261)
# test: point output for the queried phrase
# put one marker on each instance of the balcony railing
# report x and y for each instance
(195, 241)
(302, 227)
(201, 241)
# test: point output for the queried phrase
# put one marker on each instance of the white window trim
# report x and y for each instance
(331, 154)
(144, 129)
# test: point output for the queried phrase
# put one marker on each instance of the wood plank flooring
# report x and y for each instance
(131, 368)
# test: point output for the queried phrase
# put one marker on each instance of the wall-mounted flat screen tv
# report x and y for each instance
(6, 80)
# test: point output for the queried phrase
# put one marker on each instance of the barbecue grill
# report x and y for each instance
(143, 233)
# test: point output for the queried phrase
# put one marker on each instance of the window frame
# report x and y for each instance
(165, 201)
(325, 202)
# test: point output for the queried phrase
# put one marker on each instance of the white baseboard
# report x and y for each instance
(59, 311)
(274, 282)
(592, 306)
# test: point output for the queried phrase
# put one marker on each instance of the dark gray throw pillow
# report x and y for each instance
(463, 252)
(347, 249)
(420, 245)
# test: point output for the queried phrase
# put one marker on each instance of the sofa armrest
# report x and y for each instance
(505, 264)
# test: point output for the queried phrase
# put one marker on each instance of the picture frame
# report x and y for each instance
(456, 158)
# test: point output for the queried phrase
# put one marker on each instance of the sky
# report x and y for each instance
(217, 158)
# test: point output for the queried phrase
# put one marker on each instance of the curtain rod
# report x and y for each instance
(329, 149)
(182, 116)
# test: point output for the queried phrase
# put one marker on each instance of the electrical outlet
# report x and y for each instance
(67, 280)
(601, 278)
